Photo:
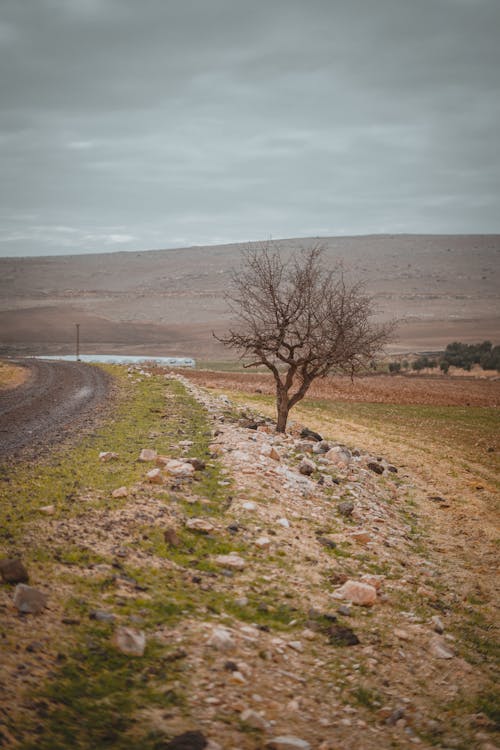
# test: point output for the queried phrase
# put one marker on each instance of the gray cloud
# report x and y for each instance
(133, 125)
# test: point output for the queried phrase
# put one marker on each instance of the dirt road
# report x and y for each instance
(57, 399)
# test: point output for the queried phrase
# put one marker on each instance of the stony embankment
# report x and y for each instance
(298, 602)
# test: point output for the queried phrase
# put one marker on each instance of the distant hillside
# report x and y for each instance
(168, 301)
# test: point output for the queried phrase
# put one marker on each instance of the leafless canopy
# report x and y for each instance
(301, 320)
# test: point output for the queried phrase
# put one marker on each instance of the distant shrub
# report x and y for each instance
(422, 363)
(394, 367)
(444, 366)
(466, 355)
(405, 364)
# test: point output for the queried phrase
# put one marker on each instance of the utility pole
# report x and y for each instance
(77, 342)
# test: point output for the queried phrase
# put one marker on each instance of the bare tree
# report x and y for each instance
(301, 320)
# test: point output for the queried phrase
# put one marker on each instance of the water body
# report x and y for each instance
(115, 359)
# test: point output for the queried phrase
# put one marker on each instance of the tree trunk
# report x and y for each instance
(282, 407)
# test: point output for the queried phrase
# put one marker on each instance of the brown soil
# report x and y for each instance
(377, 389)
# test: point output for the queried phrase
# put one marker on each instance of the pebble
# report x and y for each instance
(339, 456)
(263, 542)
(306, 467)
(283, 522)
(48, 510)
(440, 649)
(12, 570)
(438, 624)
(199, 524)
(359, 593)
(102, 616)
(375, 467)
(129, 641)
(345, 508)
(155, 476)
(287, 742)
(147, 454)
(232, 560)
(249, 506)
(29, 600)
(254, 720)
(221, 639)
(106, 456)
(120, 492)
(270, 452)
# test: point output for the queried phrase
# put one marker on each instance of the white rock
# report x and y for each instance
(287, 742)
(438, 624)
(284, 522)
(155, 476)
(179, 468)
(296, 645)
(148, 454)
(120, 492)
(230, 561)
(263, 542)
(440, 649)
(249, 506)
(129, 641)
(339, 456)
(47, 509)
(221, 639)
(105, 456)
(200, 524)
(254, 719)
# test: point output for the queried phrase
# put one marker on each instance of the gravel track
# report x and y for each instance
(57, 400)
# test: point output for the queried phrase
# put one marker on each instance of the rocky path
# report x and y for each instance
(310, 611)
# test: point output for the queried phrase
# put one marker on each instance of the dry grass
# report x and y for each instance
(11, 376)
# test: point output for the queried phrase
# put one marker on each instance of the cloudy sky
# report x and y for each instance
(163, 123)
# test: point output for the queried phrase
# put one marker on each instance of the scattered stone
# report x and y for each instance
(230, 666)
(232, 560)
(249, 506)
(306, 467)
(392, 469)
(102, 616)
(148, 454)
(361, 537)
(187, 741)
(48, 510)
(172, 538)
(296, 646)
(311, 435)
(196, 463)
(344, 610)
(181, 469)
(362, 594)
(284, 522)
(120, 492)
(438, 624)
(155, 476)
(375, 467)
(106, 456)
(345, 508)
(28, 600)
(200, 524)
(186, 443)
(129, 641)
(321, 447)
(270, 452)
(222, 640)
(440, 649)
(263, 542)
(327, 542)
(339, 456)
(403, 635)
(254, 720)
(287, 742)
(13, 571)
(340, 635)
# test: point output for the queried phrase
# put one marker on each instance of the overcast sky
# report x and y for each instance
(128, 124)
